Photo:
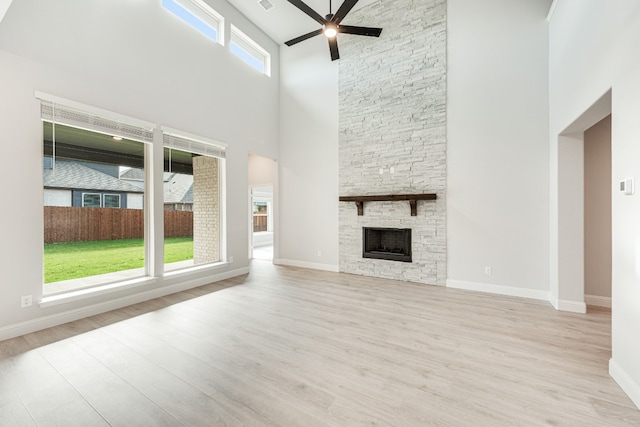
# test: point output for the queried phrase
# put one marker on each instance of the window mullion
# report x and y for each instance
(154, 200)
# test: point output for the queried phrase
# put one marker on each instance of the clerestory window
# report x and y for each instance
(198, 15)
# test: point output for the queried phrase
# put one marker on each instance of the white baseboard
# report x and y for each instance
(597, 301)
(572, 306)
(303, 264)
(553, 300)
(499, 289)
(29, 326)
(561, 305)
(566, 305)
(628, 385)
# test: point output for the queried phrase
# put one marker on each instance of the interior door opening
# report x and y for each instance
(262, 222)
(567, 285)
(262, 208)
(597, 215)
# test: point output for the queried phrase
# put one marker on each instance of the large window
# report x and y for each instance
(192, 201)
(249, 51)
(95, 175)
(90, 239)
(198, 15)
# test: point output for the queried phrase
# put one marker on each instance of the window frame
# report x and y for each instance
(202, 12)
(84, 205)
(58, 110)
(104, 200)
(251, 48)
(174, 139)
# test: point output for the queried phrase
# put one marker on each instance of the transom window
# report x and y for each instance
(249, 51)
(198, 15)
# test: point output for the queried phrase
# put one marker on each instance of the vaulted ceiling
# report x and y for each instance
(283, 22)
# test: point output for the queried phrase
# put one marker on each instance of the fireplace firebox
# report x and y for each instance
(392, 244)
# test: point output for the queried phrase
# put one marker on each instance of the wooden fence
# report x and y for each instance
(178, 224)
(75, 224)
(259, 223)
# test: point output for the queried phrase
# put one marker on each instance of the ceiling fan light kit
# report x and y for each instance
(331, 25)
(330, 29)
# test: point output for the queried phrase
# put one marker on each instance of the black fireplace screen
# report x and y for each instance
(393, 244)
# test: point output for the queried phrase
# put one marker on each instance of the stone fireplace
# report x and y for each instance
(392, 140)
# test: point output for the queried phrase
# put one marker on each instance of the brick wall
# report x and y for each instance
(393, 114)
(206, 210)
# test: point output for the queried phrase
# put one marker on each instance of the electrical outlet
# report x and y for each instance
(381, 171)
(26, 301)
(230, 259)
(487, 270)
(319, 253)
(392, 170)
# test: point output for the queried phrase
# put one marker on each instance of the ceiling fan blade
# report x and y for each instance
(344, 9)
(333, 47)
(304, 37)
(361, 31)
(306, 9)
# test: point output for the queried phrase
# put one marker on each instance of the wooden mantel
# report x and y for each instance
(412, 198)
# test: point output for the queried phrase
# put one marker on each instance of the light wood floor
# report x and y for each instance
(295, 347)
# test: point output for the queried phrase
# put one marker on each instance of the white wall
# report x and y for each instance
(308, 163)
(593, 48)
(262, 171)
(497, 151)
(57, 197)
(136, 59)
(597, 212)
(497, 148)
(135, 201)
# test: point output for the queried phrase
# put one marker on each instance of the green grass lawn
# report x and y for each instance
(65, 261)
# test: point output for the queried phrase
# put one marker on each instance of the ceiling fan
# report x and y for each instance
(331, 25)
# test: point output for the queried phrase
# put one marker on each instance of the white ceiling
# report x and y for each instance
(285, 21)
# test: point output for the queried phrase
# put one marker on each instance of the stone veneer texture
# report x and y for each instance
(392, 95)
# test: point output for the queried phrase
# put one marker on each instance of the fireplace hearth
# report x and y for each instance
(393, 244)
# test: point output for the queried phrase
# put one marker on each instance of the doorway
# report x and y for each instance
(567, 282)
(262, 222)
(262, 211)
(597, 214)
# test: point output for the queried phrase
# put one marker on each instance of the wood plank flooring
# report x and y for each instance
(293, 347)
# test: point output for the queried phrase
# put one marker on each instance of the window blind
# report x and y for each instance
(200, 146)
(66, 115)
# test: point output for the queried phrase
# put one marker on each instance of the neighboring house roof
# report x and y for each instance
(178, 188)
(74, 175)
(133, 174)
